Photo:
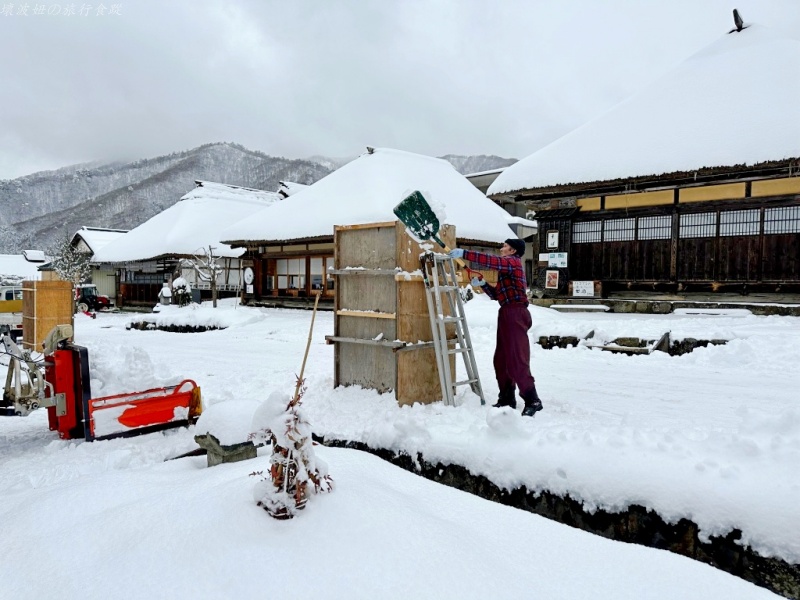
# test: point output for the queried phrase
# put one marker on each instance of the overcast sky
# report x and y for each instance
(297, 78)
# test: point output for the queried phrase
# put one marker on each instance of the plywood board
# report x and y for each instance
(367, 293)
(370, 248)
(418, 376)
(358, 364)
(368, 366)
(366, 329)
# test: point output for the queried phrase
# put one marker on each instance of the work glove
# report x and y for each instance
(476, 282)
(456, 253)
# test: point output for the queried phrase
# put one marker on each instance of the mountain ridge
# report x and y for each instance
(39, 208)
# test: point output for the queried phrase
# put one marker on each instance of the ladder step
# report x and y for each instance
(459, 350)
(465, 382)
(451, 319)
(447, 288)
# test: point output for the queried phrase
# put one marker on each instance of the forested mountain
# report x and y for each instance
(36, 210)
(478, 163)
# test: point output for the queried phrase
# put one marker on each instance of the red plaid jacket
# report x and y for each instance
(511, 281)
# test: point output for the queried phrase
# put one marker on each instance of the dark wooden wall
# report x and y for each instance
(723, 244)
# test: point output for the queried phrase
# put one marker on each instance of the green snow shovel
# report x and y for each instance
(416, 214)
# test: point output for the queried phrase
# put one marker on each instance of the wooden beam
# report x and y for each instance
(362, 271)
(365, 226)
(352, 340)
(365, 313)
(408, 277)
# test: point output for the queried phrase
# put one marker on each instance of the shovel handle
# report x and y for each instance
(447, 249)
(459, 262)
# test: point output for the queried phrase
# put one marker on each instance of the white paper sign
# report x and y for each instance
(557, 259)
(249, 289)
(583, 288)
(543, 257)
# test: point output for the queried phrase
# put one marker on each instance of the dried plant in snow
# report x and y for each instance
(294, 471)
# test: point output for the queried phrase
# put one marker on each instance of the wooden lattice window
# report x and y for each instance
(587, 232)
(698, 225)
(655, 228)
(619, 230)
(739, 222)
(784, 219)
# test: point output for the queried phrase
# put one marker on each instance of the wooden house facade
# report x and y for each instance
(742, 235)
(291, 273)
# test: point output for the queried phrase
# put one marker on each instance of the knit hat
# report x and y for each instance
(518, 245)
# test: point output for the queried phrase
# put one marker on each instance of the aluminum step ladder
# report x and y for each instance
(445, 307)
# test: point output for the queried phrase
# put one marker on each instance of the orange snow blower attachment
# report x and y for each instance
(75, 414)
(140, 412)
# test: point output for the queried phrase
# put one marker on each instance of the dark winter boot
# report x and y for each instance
(532, 403)
(506, 398)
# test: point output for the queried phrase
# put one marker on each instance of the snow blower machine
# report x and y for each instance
(63, 387)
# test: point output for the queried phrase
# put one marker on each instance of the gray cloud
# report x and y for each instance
(313, 77)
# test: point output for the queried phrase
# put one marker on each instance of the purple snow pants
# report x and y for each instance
(512, 356)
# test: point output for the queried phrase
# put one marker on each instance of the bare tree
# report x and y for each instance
(205, 264)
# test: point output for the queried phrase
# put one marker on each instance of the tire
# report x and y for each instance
(83, 307)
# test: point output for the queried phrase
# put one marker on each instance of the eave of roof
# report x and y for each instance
(665, 180)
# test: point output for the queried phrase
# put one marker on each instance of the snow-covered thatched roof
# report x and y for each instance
(287, 188)
(21, 266)
(732, 103)
(34, 256)
(97, 237)
(192, 223)
(366, 190)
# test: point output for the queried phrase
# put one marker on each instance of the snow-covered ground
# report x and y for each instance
(713, 436)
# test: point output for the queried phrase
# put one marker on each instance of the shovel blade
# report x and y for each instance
(416, 214)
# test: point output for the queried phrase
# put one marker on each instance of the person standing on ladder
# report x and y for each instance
(512, 354)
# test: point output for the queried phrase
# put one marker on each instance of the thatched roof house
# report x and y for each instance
(691, 183)
(291, 242)
(149, 254)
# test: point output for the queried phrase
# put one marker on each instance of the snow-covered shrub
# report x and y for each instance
(181, 291)
(295, 471)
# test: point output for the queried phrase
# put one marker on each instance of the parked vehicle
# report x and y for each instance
(87, 298)
(11, 310)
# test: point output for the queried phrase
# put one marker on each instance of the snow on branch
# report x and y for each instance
(68, 262)
(295, 471)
